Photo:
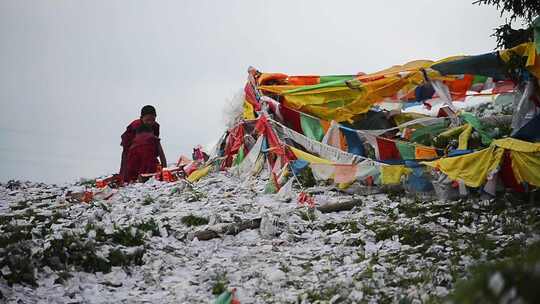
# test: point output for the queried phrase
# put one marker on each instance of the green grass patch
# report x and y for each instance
(349, 226)
(322, 294)
(307, 214)
(148, 200)
(18, 259)
(220, 283)
(193, 220)
(118, 257)
(128, 236)
(74, 251)
(195, 196)
(491, 282)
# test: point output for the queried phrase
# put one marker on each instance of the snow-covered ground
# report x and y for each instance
(140, 247)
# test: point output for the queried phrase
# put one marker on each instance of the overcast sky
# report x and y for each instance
(73, 74)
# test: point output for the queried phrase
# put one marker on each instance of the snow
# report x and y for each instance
(483, 105)
(366, 254)
(496, 283)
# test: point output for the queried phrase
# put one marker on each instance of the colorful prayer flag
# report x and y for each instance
(422, 152)
(387, 149)
(311, 127)
(354, 144)
(345, 173)
(392, 174)
(406, 150)
(240, 156)
(292, 118)
(248, 113)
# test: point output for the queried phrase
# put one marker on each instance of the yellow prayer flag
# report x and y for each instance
(249, 112)
(525, 159)
(472, 168)
(312, 159)
(517, 145)
(526, 167)
(391, 175)
(464, 137)
(527, 49)
(198, 174)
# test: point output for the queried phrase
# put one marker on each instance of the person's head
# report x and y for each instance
(144, 128)
(148, 115)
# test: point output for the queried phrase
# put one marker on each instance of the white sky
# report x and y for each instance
(73, 74)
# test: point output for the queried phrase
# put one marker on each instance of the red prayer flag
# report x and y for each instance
(263, 128)
(234, 142)
(292, 119)
(507, 174)
(250, 97)
(387, 149)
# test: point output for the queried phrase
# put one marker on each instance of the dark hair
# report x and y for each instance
(144, 129)
(148, 109)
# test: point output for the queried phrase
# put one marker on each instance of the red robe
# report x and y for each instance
(142, 156)
(127, 140)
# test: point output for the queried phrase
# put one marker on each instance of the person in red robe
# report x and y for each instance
(143, 153)
(148, 118)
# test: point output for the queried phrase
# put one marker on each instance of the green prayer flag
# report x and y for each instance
(270, 187)
(224, 298)
(406, 150)
(479, 79)
(240, 156)
(311, 127)
(536, 27)
(477, 126)
(329, 84)
(324, 79)
(426, 134)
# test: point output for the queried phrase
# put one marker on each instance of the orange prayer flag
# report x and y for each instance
(325, 125)
(425, 153)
